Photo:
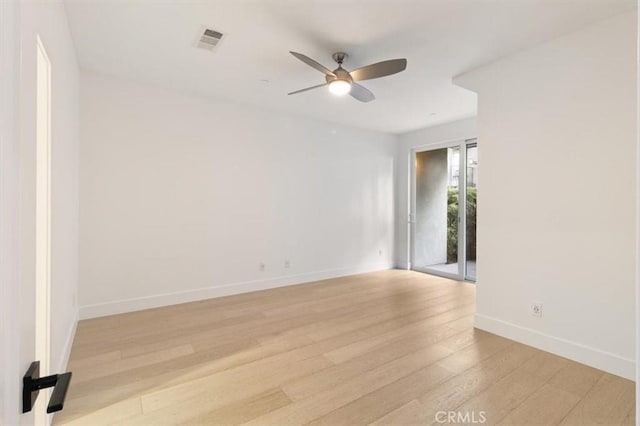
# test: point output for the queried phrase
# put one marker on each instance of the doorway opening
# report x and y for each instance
(443, 210)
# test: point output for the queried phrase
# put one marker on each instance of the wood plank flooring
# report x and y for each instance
(386, 348)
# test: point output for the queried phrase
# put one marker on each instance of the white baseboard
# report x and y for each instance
(64, 360)
(602, 360)
(156, 301)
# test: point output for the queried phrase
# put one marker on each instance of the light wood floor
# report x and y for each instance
(392, 347)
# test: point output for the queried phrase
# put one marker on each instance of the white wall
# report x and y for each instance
(454, 131)
(9, 222)
(183, 197)
(638, 225)
(22, 24)
(557, 200)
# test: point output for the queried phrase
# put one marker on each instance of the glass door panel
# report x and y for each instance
(471, 207)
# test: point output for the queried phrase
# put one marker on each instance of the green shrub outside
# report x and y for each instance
(452, 223)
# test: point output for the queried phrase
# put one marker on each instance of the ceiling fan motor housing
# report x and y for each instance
(340, 74)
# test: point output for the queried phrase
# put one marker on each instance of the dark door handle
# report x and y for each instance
(32, 383)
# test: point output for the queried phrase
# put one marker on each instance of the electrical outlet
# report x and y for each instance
(287, 263)
(536, 309)
(262, 267)
(380, 252)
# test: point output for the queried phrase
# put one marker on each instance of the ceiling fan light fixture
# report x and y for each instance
(339, 87)
(342, 82)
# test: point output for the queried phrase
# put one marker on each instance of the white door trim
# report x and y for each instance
(43, 224)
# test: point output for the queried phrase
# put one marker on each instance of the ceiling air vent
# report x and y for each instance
(209, 39)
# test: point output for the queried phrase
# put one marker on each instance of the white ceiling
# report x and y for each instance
(152, 42)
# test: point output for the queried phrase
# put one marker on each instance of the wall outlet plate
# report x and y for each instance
(536, 309)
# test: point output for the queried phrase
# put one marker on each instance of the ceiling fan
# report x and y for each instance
(341, 81)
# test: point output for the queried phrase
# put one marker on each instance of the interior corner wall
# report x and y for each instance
(557, 203)
(183, 197)
(422, 138)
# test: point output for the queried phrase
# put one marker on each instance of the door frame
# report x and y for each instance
(18, 51)
(43, 225)
(462, 144)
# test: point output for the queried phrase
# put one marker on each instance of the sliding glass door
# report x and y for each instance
(442, 219)
(471, 200)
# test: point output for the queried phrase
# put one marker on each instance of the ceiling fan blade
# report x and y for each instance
(379, 69)
(308, 88)
(361, 93)
(307, 60)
